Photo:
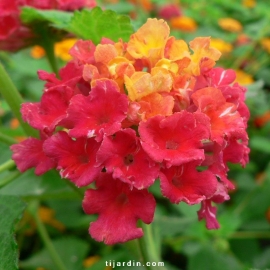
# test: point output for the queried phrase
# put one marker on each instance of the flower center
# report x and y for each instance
(83, 159)
(176, 182)
(171, 145)
(128, 159)
(122, 199)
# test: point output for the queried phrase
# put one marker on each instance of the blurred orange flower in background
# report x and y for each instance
(249, 3)
(221, 45)
(183, 23)
(242, 39)
(262, 120)
(266, 44)
(62, 48)
(230, 24)
(243, 77)
(37, 52)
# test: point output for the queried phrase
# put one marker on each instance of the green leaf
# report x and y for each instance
(209, 258)
(229, 223)
(95, 24)
(262, 261)
(170, 226)
(71, 250)
(5, 153)
(122, 7)
(75, 217)
(246, 250)
(261, 144)
(58, 19)
(11, 208)
(48, 185)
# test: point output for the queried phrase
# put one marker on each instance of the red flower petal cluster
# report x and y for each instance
(14, 35)
(123, 115)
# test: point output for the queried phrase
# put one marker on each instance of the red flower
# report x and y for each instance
(13, 34)
(123, 156)
(9, 18)
(76, 160)
(169, 11)
(237, 150)
(224, 117)
(214, 159)
(185, 183)
(70, 75)
(48, 113)
(222, 79)
(99, 113)
(29, 154)
(119, 207)
(83, 51)
(175, 139)
(208, 212)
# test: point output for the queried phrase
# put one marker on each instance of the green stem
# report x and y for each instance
(46, 238)
(7, 165)
(48, 45)
(9, 178)
(14, 99)
(148, 249)
(247, 234)
(6, 139)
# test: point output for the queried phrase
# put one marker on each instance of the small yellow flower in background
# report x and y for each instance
(146, 5)
(221, 45)
(242, 39)
(183, 23)
(243, 77)
(47, 216)
(62, 48)
(37, 52)
(230, 24)
(14, 123)
(266, 44)
(267, 215)
(262, 120)
(90, 261)
(249, 3)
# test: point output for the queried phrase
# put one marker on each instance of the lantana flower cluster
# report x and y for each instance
(123, 115)
(14, 35)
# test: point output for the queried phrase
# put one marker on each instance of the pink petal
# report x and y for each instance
(123, 156)
(175, 139)
(48, 113)
(101, 113)
(76, 160)
(83, 51)
(208, 212)
(185, 183)
(119, 207)
(29, 154)
(220, 76)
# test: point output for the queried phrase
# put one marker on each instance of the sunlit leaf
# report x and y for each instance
(96, 24)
